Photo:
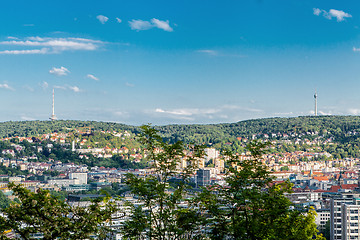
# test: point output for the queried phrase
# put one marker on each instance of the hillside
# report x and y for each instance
(338, 125)
(342, 132)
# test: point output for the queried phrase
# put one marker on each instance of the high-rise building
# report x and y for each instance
(202, 177)
(345, 217)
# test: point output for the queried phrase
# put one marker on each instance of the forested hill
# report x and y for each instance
(338, 127)
(341, 128)
(35, 128)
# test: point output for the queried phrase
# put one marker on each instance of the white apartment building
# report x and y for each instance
(345, 217)
(323, 216)
(211, 153)
(81, 176)
(351, 220)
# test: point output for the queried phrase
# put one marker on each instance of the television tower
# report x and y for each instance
(315, 97)
(53, 117)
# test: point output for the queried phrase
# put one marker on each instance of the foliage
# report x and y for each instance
(160, 215)
(343, 131)
(4, 201)
(326, 230)
(251, 206)
(12, 171)
(42, 213)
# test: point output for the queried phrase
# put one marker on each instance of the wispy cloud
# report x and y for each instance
(129, 84)
(74, 88)
(29, 25)
(356, 49)
(332, 13)
(44, 85)
(164, 25)
(92, 77)
(211, 52)
(22, 52)
(60, 87)
(103, 19)
(354, 111)
(71, 88)
(30, 89)
(26, 118)
(208, 51)
(62, 71)
(192, 114)
(50, 45)
(140, 25)
(6, 86)
(118, 20)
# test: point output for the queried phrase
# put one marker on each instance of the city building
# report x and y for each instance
(202, 177)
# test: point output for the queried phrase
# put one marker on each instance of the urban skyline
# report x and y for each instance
(179, 62)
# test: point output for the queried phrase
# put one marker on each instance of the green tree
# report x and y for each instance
(4, 201)
(42, 213)
(326, 230)
(160, 216)
(252, 207)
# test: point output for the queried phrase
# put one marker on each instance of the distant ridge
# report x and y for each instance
(185, 132)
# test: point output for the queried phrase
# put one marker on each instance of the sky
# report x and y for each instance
(179, 61)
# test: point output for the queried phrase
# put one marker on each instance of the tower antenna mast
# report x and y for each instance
(315, 97)
(53, 117)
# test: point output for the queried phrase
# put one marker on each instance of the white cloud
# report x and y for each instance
(356, 49)
(317, 11)
(204, 114)
(92, 77)
(103, 19)
(211, 52)
(333, 13)
(67, 87)
(187, 113)
(25, 118)
(6, 86)
(326, 113)
(60, 87)
(62, 71)
(205, 111)
(44, 85)
(33, 51)
(129, 84)
(340, 15)
(51, 45)
(118, 20)
(74, 88)
(208, 51)
(140, 25)
(29, 25)
(354, 111)
(164, 25)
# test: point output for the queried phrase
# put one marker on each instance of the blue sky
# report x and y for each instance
(169, 62)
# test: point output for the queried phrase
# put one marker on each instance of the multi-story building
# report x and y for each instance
(323, 216)
(202, 177)
(336, 217)
(345, 217)
(81, 176)
(350, 220)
